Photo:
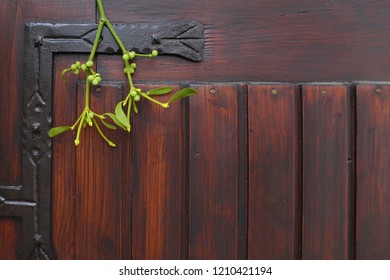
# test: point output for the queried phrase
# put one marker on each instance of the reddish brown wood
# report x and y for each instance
(98, 212)
(274, 172)
(373, 153)
(10, 232)
(325, 172)
(272, 40)
(110, 209)
(64, 160)
(159, 180)
(213, 173)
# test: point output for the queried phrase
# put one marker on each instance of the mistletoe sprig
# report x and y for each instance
(123, 109)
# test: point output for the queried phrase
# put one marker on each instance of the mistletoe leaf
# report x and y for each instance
(160, 91)
(58, 130)
(185, 92)
(116, 121)
(122, 116)
(110, 126)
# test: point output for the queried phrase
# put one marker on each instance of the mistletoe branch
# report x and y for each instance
(88, 118)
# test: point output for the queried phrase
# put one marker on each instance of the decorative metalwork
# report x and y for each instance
(32, 200)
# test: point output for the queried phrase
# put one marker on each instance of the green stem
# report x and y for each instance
(129, 75)
(87, 90)
(129, 109)
(164, 105)
(74, 125)
(135, 107)
(96, 42)
(144, 55)
(105, 20)
(115, 35)
(77, 141)
(101, 9)
(102, 134)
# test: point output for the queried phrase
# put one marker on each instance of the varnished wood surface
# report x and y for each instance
(274, 224)
(64, 170)
(98, 191)
(192, 206)
(10, 233)
(159, 180)
(213, 173)
(373, 154)
(273, 40)
(325, 172)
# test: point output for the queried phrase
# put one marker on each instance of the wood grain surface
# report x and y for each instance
(325, 172)
(213, 173)
(373, 154)
(159, 180)
(10, 233)
(200, 180)
(272, 40)
(274, 224)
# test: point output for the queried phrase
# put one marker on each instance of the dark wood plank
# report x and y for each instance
(325, 172)
(213, 173)
(127, 182)
(10, 234)
(64, 159)
(274, 224)
(272, 40)
(159, 180)
(98, 209)
(373, 178)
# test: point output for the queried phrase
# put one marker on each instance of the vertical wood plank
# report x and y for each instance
(159, 180)
(127, 181)
(213, 171)
(274, 224)
(10, 235)
(325, 172)
(98, 183)
(373, 178)
(64, 160)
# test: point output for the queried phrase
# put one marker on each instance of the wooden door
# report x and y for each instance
(282, 155)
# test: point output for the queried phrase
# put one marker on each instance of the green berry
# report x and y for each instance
(99, 79)
(91, 77)
(83, 67)
(77, 63)
(137, 98)
(133, 65)
(77, 71)
(95, 82)
(133, 93)
(154, 53)
(125, 57)
(125, 70)
(73, 67)
(131, 70)
(89, 63)
(131, 55)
